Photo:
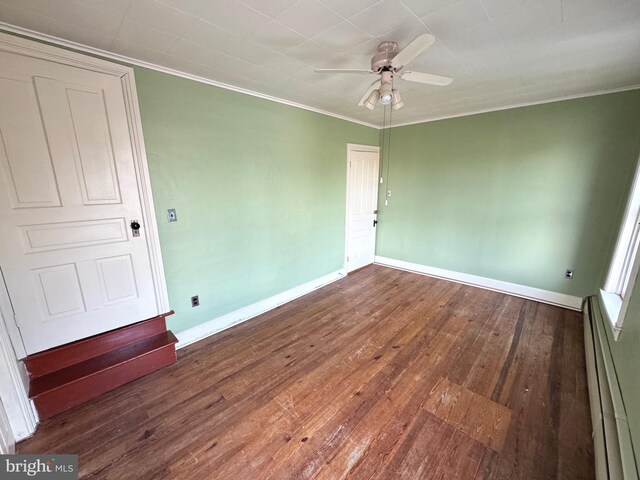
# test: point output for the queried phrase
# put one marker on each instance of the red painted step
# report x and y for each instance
(65, 355)
(60, 390)
(69, 375)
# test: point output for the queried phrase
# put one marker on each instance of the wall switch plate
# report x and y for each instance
(171, 215)
(388, 193)
(195, 301)
(568, 273)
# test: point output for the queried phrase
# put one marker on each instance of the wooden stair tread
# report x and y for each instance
(70, 374)
(49, 361)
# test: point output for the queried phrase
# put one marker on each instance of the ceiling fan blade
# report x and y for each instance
(411, 51)
(427, 78)
(342, 70)
(371, 88)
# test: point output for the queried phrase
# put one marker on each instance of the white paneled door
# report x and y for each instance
(72, 263)
(362, 200)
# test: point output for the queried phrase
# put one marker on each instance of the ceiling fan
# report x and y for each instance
(388, 63)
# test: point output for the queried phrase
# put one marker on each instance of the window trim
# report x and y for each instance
(625, 263)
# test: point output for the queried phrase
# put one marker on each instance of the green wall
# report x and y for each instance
(259, 190)
(516, 195)
(259, 187)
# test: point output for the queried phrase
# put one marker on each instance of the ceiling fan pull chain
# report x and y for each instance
(386, 145)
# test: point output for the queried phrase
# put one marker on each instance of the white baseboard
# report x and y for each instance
(537, 294)
(191, 335)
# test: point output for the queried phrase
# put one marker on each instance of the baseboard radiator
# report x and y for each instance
(614, 457)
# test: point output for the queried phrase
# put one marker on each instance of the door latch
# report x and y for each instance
(135, 228)
(375, 222)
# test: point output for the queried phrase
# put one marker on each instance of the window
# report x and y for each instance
(625, 262)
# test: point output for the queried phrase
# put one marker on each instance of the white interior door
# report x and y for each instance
(70, 262)
(362, 201)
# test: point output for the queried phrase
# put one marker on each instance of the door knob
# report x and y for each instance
(135, 228)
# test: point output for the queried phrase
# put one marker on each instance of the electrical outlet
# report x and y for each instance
(171, 215)
(195, 301)
(568, 273)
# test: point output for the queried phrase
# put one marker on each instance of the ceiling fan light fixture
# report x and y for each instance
(386, 93)
(373, 98)
(385, 99)
(387, 64)
(396, 102)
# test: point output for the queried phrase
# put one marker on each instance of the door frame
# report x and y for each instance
(12, 44)
(21, 412)
(7, 440)
(354, 147)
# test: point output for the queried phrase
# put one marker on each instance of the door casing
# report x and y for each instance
(20, 46)
(354, 147)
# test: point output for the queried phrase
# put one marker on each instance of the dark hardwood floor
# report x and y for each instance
(385, 374)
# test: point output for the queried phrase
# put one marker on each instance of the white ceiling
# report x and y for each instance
(500, 52)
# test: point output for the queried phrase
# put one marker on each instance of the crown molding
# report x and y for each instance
(518, 105)
(7, 27)
(61, 42)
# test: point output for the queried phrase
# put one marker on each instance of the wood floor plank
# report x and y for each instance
(271, 369)
(485, 372)
(210, 380)
(384, 374)
(333, 382)
(480, 418)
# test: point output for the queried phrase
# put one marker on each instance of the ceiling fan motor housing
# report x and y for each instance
(381, 61)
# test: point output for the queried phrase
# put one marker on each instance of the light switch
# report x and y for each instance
(171, 215)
